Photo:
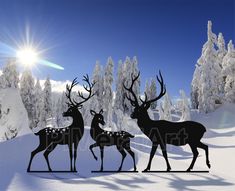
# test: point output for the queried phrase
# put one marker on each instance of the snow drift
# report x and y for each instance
(13, 116)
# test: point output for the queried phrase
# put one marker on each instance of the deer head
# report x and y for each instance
(73, 105)
(140, 110)
(98, 117)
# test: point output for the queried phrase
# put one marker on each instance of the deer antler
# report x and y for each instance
(68, 92)
(135, 101)
(162, 93)
(88, 88)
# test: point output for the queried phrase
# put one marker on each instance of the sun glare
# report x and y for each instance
(27, 56)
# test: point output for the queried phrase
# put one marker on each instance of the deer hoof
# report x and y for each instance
(95, 158)
(146, 170)
(189, 169)
(209, 165)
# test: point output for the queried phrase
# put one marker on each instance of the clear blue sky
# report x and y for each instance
(163, 34)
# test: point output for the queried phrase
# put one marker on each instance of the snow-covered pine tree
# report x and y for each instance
(221, 52)
(147, 89)
(108, 93)
(38, 102)
(99, 84)
(167, 107)
(185, 109)
(153, 93)
(47, 102)
(208, 88)
(195, 87)
(10, 74)
(127, 70)
(229, 72)
(120, 92)
(135, 71)
(160, 112)
(28, 96)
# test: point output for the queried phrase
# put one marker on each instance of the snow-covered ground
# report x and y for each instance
(15, 153)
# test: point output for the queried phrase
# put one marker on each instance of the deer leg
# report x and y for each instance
(205, 147)
(91, 149)
(71, 155)
(128, 149)
(123, 153)
(40, 148)
(164, 153)
(102, 157)
(50, 148)
(153, 151)
(195, 154)
(75, 155)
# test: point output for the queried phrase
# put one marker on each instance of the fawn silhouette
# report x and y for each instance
(163, 132)
(50, 137)
(104, 138)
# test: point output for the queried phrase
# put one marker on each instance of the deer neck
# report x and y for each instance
(78, 121)
(144, 122)
(95, 126)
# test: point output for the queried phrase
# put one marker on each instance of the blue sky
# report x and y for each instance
(163, 34)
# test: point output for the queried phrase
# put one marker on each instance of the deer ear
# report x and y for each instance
(92, 112)
(101, 111)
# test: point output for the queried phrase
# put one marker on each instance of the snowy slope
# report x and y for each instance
(13, 116)
(15, 153)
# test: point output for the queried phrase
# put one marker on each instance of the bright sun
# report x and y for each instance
(27, 56)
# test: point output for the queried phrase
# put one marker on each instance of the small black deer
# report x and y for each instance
(104, 138)
(165, 132)
(50, 137)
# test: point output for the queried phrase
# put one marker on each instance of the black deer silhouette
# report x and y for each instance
(104, 138)
(50, 137)
(163, 132)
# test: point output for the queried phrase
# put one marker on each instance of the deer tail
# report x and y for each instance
(129, 135)
(37, 133)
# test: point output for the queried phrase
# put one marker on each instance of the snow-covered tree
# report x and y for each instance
(185, 109)
(120, 91)
(61, 107)
(167, 107)
(160, 112)
(47, 102)
(28, 96)
(221, 52)
(2, 81)
(130, 69)
(38, 102)
(147, 89)
(195, 87)
(108, 93)
(99, 84)
(229, 72)
(127, 81)
(208, 70)
(10, 75)
(153, 93)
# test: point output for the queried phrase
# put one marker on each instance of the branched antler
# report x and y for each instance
(88, 88)
(162, 92)
(68, 92)
(130, 89)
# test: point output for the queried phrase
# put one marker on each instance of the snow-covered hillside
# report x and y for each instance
(15, 153)
(13, 116)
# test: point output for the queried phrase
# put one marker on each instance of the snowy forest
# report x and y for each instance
(213, 81)
(213, 84)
